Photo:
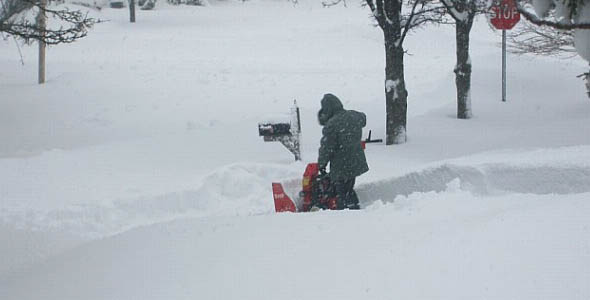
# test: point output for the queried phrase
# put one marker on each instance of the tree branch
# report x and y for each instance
(371, 5)
(78, 25)
(390, 7)
(377, 12)
(532, 17)
(541, 40)
(409, 21)
(333, 2)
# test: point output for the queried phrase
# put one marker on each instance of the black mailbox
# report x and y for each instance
(274, 129)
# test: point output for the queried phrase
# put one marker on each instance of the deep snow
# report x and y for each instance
(436, 245)
(136, 171)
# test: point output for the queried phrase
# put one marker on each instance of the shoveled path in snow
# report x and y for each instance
(244, 189)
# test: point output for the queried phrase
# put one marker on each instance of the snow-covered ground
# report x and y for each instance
(136, 171)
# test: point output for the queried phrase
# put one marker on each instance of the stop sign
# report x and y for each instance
(503, 14)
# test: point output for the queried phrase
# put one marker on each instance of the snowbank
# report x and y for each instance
(445, 245)
(547, 171)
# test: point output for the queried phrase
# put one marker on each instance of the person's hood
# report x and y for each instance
(331, 105)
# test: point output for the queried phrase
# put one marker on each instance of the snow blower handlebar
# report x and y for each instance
(369, 140)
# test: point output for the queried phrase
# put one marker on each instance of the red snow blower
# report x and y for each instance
(317, 193)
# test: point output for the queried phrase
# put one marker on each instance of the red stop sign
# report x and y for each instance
(503, 14)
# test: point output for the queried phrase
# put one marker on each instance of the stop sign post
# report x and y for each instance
(504, 15)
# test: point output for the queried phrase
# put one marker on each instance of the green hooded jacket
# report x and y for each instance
(341, 141)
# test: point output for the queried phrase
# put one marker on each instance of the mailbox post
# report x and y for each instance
(288, 132)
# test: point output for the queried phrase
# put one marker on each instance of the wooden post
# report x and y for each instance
(132, 11)
(42, 22)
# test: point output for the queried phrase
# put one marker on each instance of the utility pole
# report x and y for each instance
(42, 22)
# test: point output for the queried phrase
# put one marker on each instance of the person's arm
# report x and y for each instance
(327, 146)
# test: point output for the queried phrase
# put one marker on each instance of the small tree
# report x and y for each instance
(15, 21)
(397, 18)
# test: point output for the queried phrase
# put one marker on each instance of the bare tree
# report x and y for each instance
(463, 13)
(13, 21)
(397, 18)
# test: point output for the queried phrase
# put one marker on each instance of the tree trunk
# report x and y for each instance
(396, 96)
(132, 11)
(463, 70)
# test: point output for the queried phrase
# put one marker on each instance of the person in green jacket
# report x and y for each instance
(341, 148)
